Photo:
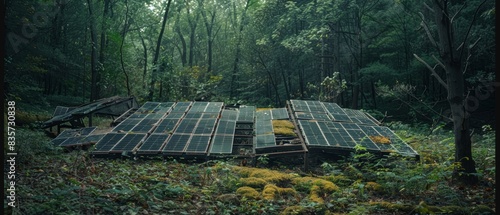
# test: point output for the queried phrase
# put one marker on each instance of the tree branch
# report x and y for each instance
(427, 31)
(433, 71)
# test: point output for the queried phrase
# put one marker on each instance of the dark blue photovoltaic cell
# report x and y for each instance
(222, 144)
(279, 113)
(312, 133)
(265, 140)
(128, 143)
(145, 126)
(153, 143)
(107, 142)
(205, 126)
(181, 107)
(186, 126)
(166, 126)
(198, 143)
(341, 134)
(334, 137)
(359, 117)
(177, 143)
(127, 125)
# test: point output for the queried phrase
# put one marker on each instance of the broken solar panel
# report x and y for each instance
(176, 143)
(107, 142)
(68, 133)
(279, 113)
(198, 144)
(383, 142)
(128, 143)
(153, 143)
(60, 110)
(396, 141)
(81, 140)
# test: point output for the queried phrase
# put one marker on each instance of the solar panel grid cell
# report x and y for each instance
(176, 143)
(359, 136)
(374, 135)
(166, 126)
(229, 115)
(128, 143)
(205, 126)
(186, 126)
(107, 142)
(153, 143)
(214, 107)
(145, 125)
(266, 140)
(181, 107)
(396, 141)
(198, 144)
(279, 113)
(222, 144)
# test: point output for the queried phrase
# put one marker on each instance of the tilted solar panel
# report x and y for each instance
(226, 127)
(246, 114)
(146, 125)
(279, 113)
(222, 144)
(186, 126)
(336, 112)
(229, 115)
(153, 143)
(312, 133)
(198, 144)
(181, 107)
(359, 136)
(205, 126)
(126, 125)
(177, 143)
(164, 107)
(265, 140)
(166, 126)
(396, 141)
(299, 106)
(263, 127)
(315, 107)
(198, 107)
(263, 115)
(214, 107)
(174, 115)
(107, 142)
(60, 110)
(128, 143)
(383, 142)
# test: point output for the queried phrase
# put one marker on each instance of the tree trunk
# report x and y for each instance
(455, 82)
(124, 33)
(232, 92)
(94, 86)
(145, 68)
(157, 53)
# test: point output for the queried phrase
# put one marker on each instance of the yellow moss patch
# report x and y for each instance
(320, 187)
(373, 186)
(284, 127)
(293, 210)
(271, 191)
(380, 139)
(270, 176)
(248, 192)
(253, 182)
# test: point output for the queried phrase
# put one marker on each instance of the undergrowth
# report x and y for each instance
(55, 182)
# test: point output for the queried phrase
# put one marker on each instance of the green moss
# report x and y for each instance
(248, 192)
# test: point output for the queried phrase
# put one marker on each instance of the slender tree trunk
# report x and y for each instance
(145, 54)
(124, 33)
(157, 53)
(238, 52)
(455, 81)
(103, 38)
(94, 87)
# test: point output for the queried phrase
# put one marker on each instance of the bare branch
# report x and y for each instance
(429, 8)
(470, 27)
(433, 71)
(453, 17)
(438, 61)
(427, 31)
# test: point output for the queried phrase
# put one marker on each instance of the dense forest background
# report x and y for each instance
(360, 54)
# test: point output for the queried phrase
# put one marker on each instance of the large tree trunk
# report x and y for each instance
(455, 83)
(157, 53)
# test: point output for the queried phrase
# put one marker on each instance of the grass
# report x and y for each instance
(55, 182)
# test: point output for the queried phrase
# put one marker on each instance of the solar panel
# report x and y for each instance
(69, 133)
(214, 107)
(225, 127)
(312, 133)
(266, 140)
(71, 141)
(263, 115)
(153, 143)
(222, 144)
(315, 107)
(154, 116)
(198, 107)
(383, 142)
(148, 107)
(336, 112)
(342, 137)
(126, 125)
(181, 107)
(263, 127)
(246, 114)
(174, 115)
(205, 126)
(145, 125)
(166, 126)
(198, 143)
(359, 117)
(396, 141)
(299, 106)
(137, 115)
(279, 113)
(60, 110)
(211, 115)
(229, 115)
(177, 143)
(359, 136)
(309, 116)
(186, 126)
(128, 143)
(164, 107)
(107, 142)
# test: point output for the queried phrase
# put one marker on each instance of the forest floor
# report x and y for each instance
(53, 181)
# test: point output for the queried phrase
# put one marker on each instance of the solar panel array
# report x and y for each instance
(207, 128)
(327, 125)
